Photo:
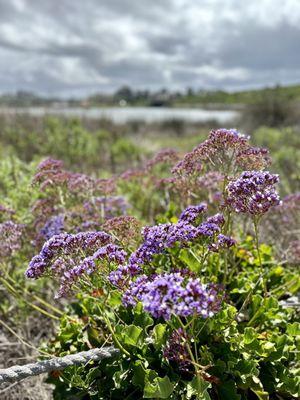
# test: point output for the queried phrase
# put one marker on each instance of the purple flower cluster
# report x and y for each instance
(289, 209)
(211, 180)
(67, 248)
(219, 142)
(159, 238)
(11, 236)
(133, 174)
(217, 219)
(109, 207)
(223, 147)
(228, 139)
(170, 294)
(121, 276)
(253, 158)
(189, 165)
(253, 192)
(5, 211)
(83, 184)
(80, 183)
(50, 173)
(53, 226)
(223, 242)
(177, 354)
(68, 277)
(191, 213)
(164, 156)
(125, 228)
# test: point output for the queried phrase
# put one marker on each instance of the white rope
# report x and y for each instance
(18, 372)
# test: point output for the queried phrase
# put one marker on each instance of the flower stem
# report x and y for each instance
(255, 223)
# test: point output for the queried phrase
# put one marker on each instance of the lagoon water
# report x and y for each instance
(121, 115)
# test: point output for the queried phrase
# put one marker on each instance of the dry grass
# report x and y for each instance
(14, 352)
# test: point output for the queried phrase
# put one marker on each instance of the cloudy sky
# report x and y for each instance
(75, 47)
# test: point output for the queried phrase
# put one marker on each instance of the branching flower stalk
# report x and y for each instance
(256, 221)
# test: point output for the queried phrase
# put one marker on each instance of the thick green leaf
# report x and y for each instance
(141, 318)
(160, 388)
(190, 259)
(293, 329)
(249, 335)
(139, 374)
(198, 387)
(131, 335)
(159, 333)
(227, 391)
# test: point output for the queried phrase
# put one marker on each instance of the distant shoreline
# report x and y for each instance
(120, 115)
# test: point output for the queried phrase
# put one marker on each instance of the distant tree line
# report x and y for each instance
(163, 97)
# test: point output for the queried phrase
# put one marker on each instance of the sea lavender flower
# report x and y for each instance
(11, 238)
(36, 267)
(109, 207)
(69, 257)
(177, 354)
(225, 139)
(133, 174)
(208, 229)
(253, 192)
(211, 226)
(67, 246)
(110, 253)
(170, 294)
(50, 164)
(125, 228)
(164, 156)
(253, 158)
(289, 209)
(158, 238)
(191, 213)
(121, 276)
(53, 226)
(80, 183)
(44, 208)
(220, 147)
(223, 242)
(50, 173)
(5, 211)
(190, 164)
(211, 180)
(106, 186)
(217, 219)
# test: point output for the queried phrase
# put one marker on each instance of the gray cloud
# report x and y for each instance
(69, 47)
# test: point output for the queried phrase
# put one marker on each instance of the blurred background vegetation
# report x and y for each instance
(101, 147)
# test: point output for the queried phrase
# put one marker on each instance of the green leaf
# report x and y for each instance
(139, 374)
(141, 318)
(293, 329)
(227, 391)
(260, 394)
(257, 388)
(159, 333)
(190, 259)
(198, 387)
(160, 388)
(131, 335)
(118, 378)
(249, 335)
(115, 298)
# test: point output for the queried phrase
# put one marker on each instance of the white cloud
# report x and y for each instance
(71, 47)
